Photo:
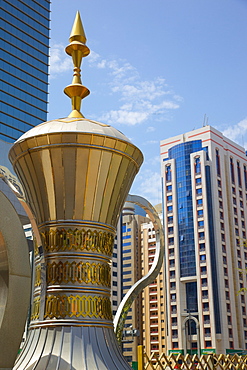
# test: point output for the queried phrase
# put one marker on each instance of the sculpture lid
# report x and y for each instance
(76, 125)
(75, 122)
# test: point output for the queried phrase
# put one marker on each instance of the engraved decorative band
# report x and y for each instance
(37, 281)
(35, 308)
(77, 306)
(65, 240)
(78, 272)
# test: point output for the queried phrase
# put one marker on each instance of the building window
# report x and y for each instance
(201, 235)
(169, 198)
(203, 257)
(169, 208)
(173, 309)
(245, 177)
(208, 344)
(170, 219)
(172, 285)
(199, 202)
(199, 191)
(170, 230)
(168, 173)
(198, 180)
(172, 274)
(200, 224)
(197, 165)
(202, 247)
(170, 241)
(232, 171)
(204, 282)
(200, 213)
(174, 320)
(217, 162)
(173, 297)
(239, 175)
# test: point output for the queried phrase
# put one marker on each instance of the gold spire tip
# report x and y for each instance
(77, 49)
(77, 32)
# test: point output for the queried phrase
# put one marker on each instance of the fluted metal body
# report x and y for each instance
(76, 174)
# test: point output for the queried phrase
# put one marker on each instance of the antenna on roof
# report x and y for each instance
(205, 120)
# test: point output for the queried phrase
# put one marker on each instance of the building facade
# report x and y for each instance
(126, 270)
(153, 297)
(204, 177)
(24, 66)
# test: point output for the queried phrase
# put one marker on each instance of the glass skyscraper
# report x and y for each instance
(24, 66)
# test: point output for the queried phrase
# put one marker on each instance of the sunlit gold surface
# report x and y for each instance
(61, 306)
(76, 174)
(78, 272)
(76, 184)
(66, 240)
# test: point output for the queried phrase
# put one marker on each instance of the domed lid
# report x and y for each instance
(78, 125)
(75, 122)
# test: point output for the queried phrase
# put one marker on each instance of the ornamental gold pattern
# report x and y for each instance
(78, 240)
(78, 272)
(37, 281)
(61, 306)
(35, 308)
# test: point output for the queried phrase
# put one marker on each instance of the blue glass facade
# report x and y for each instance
(181, 154)
(24, 66)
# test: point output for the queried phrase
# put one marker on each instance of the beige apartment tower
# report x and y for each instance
(204, 178)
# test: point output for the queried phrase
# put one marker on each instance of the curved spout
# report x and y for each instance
(131, 295)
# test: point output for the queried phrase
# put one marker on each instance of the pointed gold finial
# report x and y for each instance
(78, 50)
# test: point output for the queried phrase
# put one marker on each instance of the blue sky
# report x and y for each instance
(155, 69)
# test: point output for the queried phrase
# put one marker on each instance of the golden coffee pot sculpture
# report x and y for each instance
(76, 174)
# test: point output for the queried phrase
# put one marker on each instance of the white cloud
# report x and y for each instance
(237, 132)
(59, 61)
(140, 99)
(150, 129)
(124, 117)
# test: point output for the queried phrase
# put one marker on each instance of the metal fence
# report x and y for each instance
(190, 362)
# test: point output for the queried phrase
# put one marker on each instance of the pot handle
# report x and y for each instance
(133, 292)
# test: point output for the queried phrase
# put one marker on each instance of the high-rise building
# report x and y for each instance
(205, 214)
(24, 65)
(153, 296)
(24, 29)
(126, 270)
